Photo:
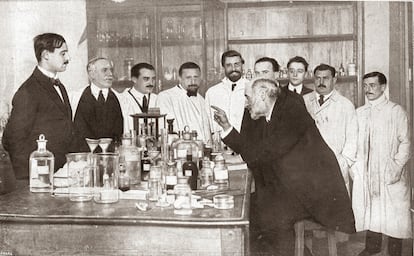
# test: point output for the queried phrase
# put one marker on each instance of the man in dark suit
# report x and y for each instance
(297, 175)
(98, 114)
(297, 68)
(41, 106)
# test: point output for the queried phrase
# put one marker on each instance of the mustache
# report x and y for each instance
(322, 86)
(150, 86)
(66, 62)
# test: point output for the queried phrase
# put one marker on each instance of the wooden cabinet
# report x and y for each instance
(321, 32)
(163, 33)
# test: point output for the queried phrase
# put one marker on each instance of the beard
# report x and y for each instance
(234, 75)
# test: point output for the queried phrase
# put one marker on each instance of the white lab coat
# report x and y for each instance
(129, 100)
(383, 151)
(232, 102)
(185, 110)
(337, 123)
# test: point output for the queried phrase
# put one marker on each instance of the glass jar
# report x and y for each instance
(80, 173)
(182, 203)
(206, 174)
(41, 168)
(221, 174)
(106, 178)
(130, 157)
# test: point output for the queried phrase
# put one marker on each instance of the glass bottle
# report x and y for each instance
(206, 174)
(171, 175)
(185, 145)
(145, 166)
(172, 136)
(190, 170)
(249, 74)
(182, 192)
(123, 180)
(221, 174)
(341, 70)
(142, 136)
(129, 155)
(200, 145)
(41, 167)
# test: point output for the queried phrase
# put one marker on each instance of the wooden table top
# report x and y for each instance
(23, 206)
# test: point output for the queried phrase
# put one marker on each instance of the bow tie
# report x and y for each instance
(190, 93)
(55, 82)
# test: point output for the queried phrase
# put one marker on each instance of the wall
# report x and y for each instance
(376, 39)
(21, 21)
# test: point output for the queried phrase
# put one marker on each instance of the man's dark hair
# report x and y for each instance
(381, 77)
(188, 65)
(323, 67)
(300, 60)
(230, 53)
(136, 69)
(274, 62)
(47, 41)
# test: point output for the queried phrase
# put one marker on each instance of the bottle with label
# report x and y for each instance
(123, 179)
(145, 166)
(182, 202)
(171, 175)
(186, 144)
(221, 174)
(190, 170)
(41, 167)
(172, 136)
(130, 155)
(200, 145)
(206, 174)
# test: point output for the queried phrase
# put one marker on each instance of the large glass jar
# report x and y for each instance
(106, 174)
(41, 167)
(130, 156)
(186, 145)
(182, 203)
(80, 173)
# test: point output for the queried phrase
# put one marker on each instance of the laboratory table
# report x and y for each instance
(39, 224)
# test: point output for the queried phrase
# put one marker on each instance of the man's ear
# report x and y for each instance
(45, 55)
(334, 80)
(134, 79)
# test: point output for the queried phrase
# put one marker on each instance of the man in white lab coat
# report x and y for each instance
(228, 95)
(381, 190)
(185, 104)
(335, 118)
(139, 98)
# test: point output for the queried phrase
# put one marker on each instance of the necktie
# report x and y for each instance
(145, 104)
(232, 86)
(321, 101)
(294, 90)
(101, 98)
(191, 93)
(58, 87)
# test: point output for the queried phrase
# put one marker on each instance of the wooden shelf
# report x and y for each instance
(125, 44)
(181, 42)
(340, 79)
(294, 39)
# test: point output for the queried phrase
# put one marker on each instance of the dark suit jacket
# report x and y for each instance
(94, 121)
(305, 90)
(38, 109)
(292, 155)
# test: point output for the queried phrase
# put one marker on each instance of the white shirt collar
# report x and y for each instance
(239, 83)
(325, 97)
(377, 101)
(95, 91)
(137, 94)
(47, 73)
(297, 87)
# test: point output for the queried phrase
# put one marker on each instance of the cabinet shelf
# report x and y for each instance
(340, 79)
(125, 44)
(294, 39)
(181, 42)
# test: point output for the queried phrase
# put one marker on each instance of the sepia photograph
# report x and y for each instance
(206, 127)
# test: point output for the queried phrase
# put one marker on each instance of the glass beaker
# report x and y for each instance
(80, 173)
(106, 174)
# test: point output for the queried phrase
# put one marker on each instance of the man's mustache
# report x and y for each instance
(150, 86)
(66, 62)
(322, 86)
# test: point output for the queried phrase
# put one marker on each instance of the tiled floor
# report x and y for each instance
(354, 245)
